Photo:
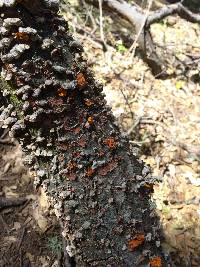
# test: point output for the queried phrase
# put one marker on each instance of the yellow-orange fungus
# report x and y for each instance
(110, 142)
(90, 120)
(71, 165)
(88, 102)
(89, 172)
(62, 92)
(156, 262)
(81, 81)
(21, 36)
(134, 243)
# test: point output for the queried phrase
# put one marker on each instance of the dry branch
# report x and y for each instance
(99, 189)
(11, 202)
(136, 17)
(178, 9)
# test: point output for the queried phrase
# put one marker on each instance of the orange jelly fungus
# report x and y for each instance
(62, 92)
(89, 172)
(134, 243)
(110, 142)
(21, 36)
(156, 262)
(88, 102)
(81, 81)
(149, 186)
(71, 165)
(90, 120)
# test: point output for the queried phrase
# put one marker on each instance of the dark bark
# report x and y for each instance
(99, 189)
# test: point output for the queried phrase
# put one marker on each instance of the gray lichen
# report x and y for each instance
(15, 53)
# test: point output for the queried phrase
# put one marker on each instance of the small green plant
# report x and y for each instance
(166, 210)
(54, 244)
(120, 47)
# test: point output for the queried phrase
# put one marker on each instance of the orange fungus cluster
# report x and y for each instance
(21, 36)
(137, 241)
(156, 262)
(61, 92)
(81, 81)
(110, 142)
(90, 120)
(71, 166)
(88, 102)
(89, 172)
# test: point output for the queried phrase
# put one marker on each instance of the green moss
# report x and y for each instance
(54, 243)
(15, 101)
(33, 131)
(12, 97)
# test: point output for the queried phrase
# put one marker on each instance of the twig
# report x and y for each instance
(21, 239)
(80, 29)
(7, 202)
(24, 206)
(67, 262)
(20, 258)
(4, 224)
(133, 47)
(135, 16)
(127, 103)
(5, 132)
(7, 142)
(101, 22)
(166, 11)
(90, 15)
(132, 128)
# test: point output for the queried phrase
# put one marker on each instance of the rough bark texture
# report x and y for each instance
(99, 189)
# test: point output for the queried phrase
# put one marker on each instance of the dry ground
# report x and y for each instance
(29, 233)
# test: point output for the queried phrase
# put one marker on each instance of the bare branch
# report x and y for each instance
(136, 17)
(101, 22)
(178, 9)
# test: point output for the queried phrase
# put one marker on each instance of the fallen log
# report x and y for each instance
(100, 190)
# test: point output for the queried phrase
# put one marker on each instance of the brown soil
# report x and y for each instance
(29, 234)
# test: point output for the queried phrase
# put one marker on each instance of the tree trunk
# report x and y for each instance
(99, 189)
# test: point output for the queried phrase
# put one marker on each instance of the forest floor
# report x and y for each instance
(160, 117)
(29, 232)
